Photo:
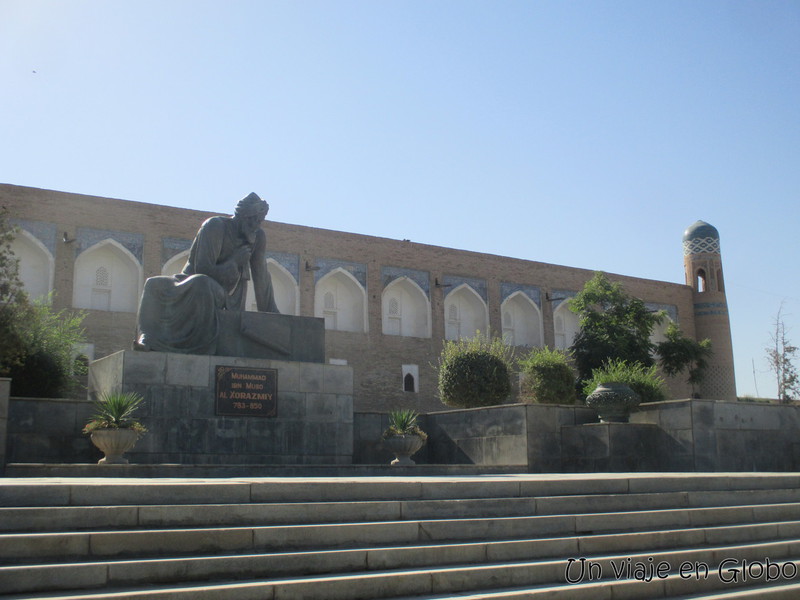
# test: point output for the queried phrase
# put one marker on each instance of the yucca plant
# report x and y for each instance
(116, 411)
(404, 422)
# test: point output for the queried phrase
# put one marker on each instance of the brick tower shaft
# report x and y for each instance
(703, 267)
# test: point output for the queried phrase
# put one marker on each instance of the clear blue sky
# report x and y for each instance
(588, 134)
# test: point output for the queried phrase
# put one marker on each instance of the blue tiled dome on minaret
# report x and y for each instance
(700, 237)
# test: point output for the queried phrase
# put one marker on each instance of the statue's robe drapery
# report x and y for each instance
(179, 313)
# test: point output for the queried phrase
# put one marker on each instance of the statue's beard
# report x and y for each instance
(248, 234)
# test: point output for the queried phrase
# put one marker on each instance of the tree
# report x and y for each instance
(617, 327)
(779, 356)
(37, 345)
(678, 353)
(614, 326)
(49, 340)
(13, 299)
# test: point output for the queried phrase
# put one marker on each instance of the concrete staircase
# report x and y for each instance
(604, 536)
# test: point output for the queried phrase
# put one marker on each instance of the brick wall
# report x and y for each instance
(376, 358)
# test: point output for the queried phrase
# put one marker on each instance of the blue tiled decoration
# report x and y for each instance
(556, 297)
(289, 261)
(670, 309)
(700, 230)
(478, 285)
(326, 265)
(701, 238)
(171, 247)
(704, 309)
(47, 233)
(531, 291)
(86, 237)
(421, 278)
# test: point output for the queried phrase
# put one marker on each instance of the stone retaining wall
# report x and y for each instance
(5, 387)
(680, 435)
(48, 430)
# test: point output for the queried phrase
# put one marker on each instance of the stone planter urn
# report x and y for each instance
(613, 402)
(403, 446)
(114, 443)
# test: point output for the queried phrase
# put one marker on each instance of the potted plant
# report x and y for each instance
(403, 437)
(113, 428)
(618, 387)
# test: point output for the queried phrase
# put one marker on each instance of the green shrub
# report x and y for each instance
(49, 338)
(645, 381)
(474, 372)
(548, 377)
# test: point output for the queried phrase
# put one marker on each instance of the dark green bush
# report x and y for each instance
(547, 377)
(37, 376)
(474, 373)
(49, 339)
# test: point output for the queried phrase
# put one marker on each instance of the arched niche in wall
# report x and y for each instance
(465, 314)
(341, 300)
(36, 264)
(522, 321)
(287, 295)
(107, 277)
(175, 264)
(670, 312)
(405, 309)
(658, 334)
(565, 324)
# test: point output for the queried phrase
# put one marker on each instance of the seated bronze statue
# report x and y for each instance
(180, 313)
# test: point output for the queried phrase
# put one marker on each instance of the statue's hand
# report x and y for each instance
(242, 256)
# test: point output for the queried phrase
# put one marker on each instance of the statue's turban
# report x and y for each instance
(251, 205)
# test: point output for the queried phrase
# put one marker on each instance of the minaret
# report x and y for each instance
(703, 265)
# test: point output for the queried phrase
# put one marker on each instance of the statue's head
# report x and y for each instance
(252, 205)
(250, 212)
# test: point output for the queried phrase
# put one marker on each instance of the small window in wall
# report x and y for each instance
(408, 383)
(701, 280)
(329, 312)
(410, 378)
(508, 329)
(101, 291)
(453, 326)
(561, 336)
(394, 323)
(102, 278)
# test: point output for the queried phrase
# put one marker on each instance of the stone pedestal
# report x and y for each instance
(271, 335)
(312, 424)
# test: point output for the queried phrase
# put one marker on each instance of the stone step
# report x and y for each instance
(540, 579)
(75, 518)
(227, 471)
(772, 591)
(96, 572)
(782, 518)
(121, 491)
(490, 536)
(631, 589)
